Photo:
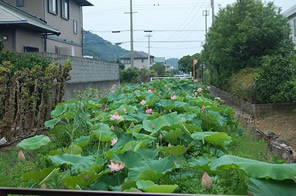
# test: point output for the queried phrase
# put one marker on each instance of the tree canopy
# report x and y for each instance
(241, 35)
(159, 68)
(186, 63)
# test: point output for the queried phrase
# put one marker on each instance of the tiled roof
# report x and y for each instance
(290, 12)
(137, 55)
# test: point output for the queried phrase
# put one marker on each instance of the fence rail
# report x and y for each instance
(175, 77)
(53, 192)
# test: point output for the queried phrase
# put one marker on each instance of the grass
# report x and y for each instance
(248, 147)
(12, 170)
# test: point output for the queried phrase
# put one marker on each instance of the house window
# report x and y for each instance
(53, 6)
(127, 61)
(295, 28)
(30, 49)
(65, 9)
(75, 26)
(20, 3)
(142, 60)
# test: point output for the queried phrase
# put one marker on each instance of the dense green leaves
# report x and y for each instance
(241, 35)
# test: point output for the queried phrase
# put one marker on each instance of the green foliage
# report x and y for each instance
(242, 84)
(186, 63)
(159, 68)
(121, 65)
(129, 75)
(94, 45)
(275, 82)
(28, 61)
(119, 147)
(1, 45)
(241, 35)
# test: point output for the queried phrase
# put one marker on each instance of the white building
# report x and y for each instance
(140, 60)
(291, 15)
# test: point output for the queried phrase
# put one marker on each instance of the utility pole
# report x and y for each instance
(205, 13)
(213, 11)
(132, 34)
(149, 36)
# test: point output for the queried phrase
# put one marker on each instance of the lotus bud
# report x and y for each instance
(86, 177)
(130, 148)
(169, 145)
(112, 128)
(153, 126)
(21, 156)
(43, 186)
(206, 181)
(132, 124)
(164, 111)
(203, 108)
(160, 136)
(124, 110)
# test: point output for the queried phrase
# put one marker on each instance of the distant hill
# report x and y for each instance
(94, 45)
(173, 62)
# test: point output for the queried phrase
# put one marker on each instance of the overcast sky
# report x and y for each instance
(178, 25)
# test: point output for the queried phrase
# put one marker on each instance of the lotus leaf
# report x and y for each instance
(34, 143)
(256, 169)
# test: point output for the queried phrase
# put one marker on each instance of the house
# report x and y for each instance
(52, 26)
(140, 60)
(291, 15)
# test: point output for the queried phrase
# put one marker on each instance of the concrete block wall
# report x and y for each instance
(87, 73)
(254, 110)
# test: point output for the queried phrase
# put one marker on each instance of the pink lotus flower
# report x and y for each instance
(174, 97)
(116, 117)
(112, 91)
(130, 148)
(43, 186)
(164, 111)
(21, 156)
(116, 166)
(124, 110)
(132, 124)
(195, 81)
(203, 108)
(143, 102)
(206, 181)
(149, 111)
(114, 141)
(199, 90)
(152, 91)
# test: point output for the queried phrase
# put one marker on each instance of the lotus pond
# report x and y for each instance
(167, 136)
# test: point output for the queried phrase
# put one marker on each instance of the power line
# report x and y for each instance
(163, 30)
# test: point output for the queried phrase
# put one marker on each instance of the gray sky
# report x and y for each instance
(171, 21)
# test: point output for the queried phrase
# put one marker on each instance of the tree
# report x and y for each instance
(241, 35)
(120, 64)
(186, 63)
(159, 68)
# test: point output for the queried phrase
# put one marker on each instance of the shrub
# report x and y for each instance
(130, 75)
(242, 84)
(275, 83)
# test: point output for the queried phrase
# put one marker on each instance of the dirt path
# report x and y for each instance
(283, 125)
